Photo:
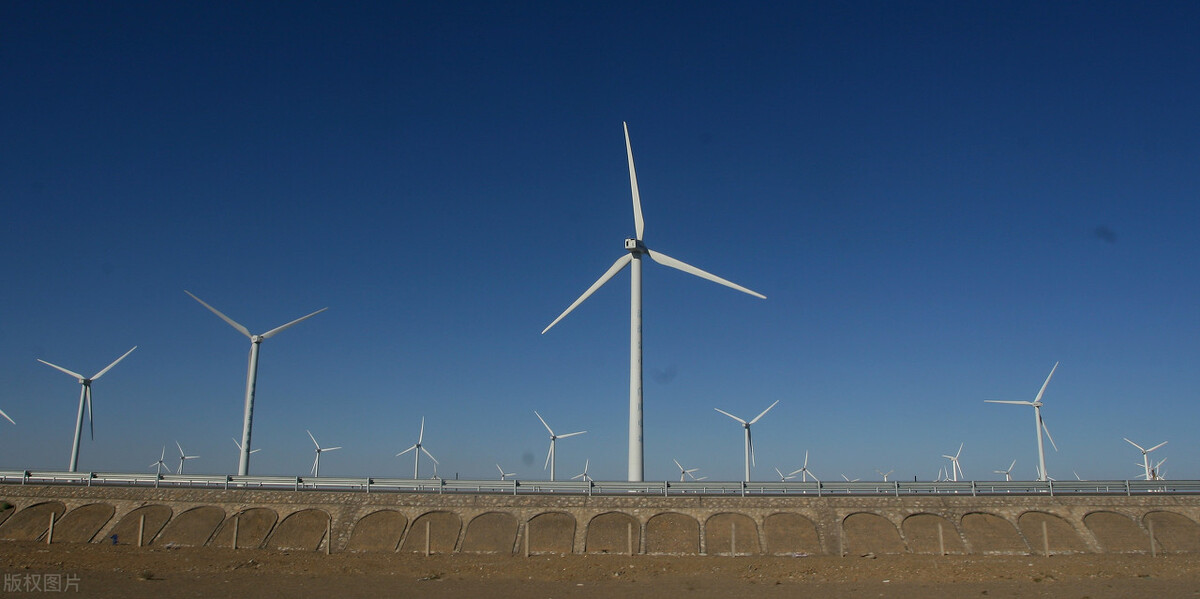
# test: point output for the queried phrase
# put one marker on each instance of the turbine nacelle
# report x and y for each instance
(635, 246)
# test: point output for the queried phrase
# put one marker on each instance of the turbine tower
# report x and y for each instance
(1145, 455)
(749, 442)
(251, 375)
(85, 397)
(553, 438)
(637, 249)
(1039, 425)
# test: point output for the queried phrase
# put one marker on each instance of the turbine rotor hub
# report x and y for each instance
(635, 246)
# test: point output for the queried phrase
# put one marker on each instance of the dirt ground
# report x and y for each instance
(136, 573)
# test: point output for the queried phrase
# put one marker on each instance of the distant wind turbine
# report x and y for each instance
(1145, 455)
(553, 439)
(504, 475)
(684, 472)
(885, 475)
(749, 441)
(783, 478)
(584, 475)
(251, 374)
(637, 249)
(1007, 473)
(1039, 425)
(316, 469)
(955, 467)
(160, 464)
(183, 457)
(85, 397)
(847, 479)
(417, 448)
(804, 472)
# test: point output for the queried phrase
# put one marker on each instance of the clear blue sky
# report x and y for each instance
(940, 201)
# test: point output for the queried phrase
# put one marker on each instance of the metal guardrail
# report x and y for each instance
(663, 488)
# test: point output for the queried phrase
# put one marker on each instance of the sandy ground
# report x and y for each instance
(133, 573)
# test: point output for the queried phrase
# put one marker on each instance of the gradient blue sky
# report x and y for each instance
(940, 201)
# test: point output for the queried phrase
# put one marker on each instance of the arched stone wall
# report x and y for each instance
(790, 533)
(192, 528)
(32, 522)
(870, 533)
(731, 534)
(922, 534)
(378, 531)
(673, 533)
(492, 532)
(302, 531)
(551, 532)
(126, 529)
(440, 528)
(81, 524)
(1060, 535)
(1174, 532)
(1117, 533)
(253, 525)
(988, 533)
(613, 532)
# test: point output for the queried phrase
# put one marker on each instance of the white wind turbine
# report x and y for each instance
(584, 475)
(637, 249)
(885, 475)
(417, 448)
(783, 478)
(847, 479)
(684, 472)
(239, 447)
(749, 441)
(804, 472)
(160, 464)
(553, 439)
(251, 375)
(316, 469)
(1145, 455)
(1007, 473)
(955, 468)
(1039, 425)
(85, 397)
(183, 457)
(504, 475)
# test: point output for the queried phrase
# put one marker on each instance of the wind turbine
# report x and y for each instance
(955, 468)
(804, 472)
(783, 478)
(1039, 425)
(584, 475)
(251, 374)
(884, 474)
(847, 479)
(553, 438)
(417, 448)
(684, 472)
(504, 475)
(749, 442)
(85, 397)
(183, 457)
(1145, 454)
(1157, 471)
(1007, 473)
(637, 249)
(160, 464)
(316, 469)
(239, 447)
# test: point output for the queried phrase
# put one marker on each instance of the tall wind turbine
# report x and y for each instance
(1145, 455)
(749, 442)
(685, 472)
(183, 457)
(316, 469)
(417, 448)
(85, 397)
(1007, 473)
(504, 475)
(636, 249)
(160, 464)
(885, 475)
(804, 472)
(1039, 425)
(251, 374)
(553, 439)
(584, 475)
(955, 468)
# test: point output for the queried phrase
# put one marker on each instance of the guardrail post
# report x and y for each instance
(897, 483)
(1127, 491)
(972, 488)
(743, 488)
(1050, 482)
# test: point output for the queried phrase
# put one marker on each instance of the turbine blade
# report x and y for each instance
(750, 442)
(764, 412)
(535, 413)
(678, 464)
(608, 274)
(1043, 389)
(548, 454)
(639, 224)
(310, 436)
(331, 448)
(241, 329)
(60, 368)
(426, 452)
(406, 451)
(571, 434)
(270, 333)
(730, 415)
(1156, 447)
(666, 260)
(180, 448)
(109, 367)
(1015, 403)
(421, 435)
(1135, 445)
(91, 424)
(1048, 434)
